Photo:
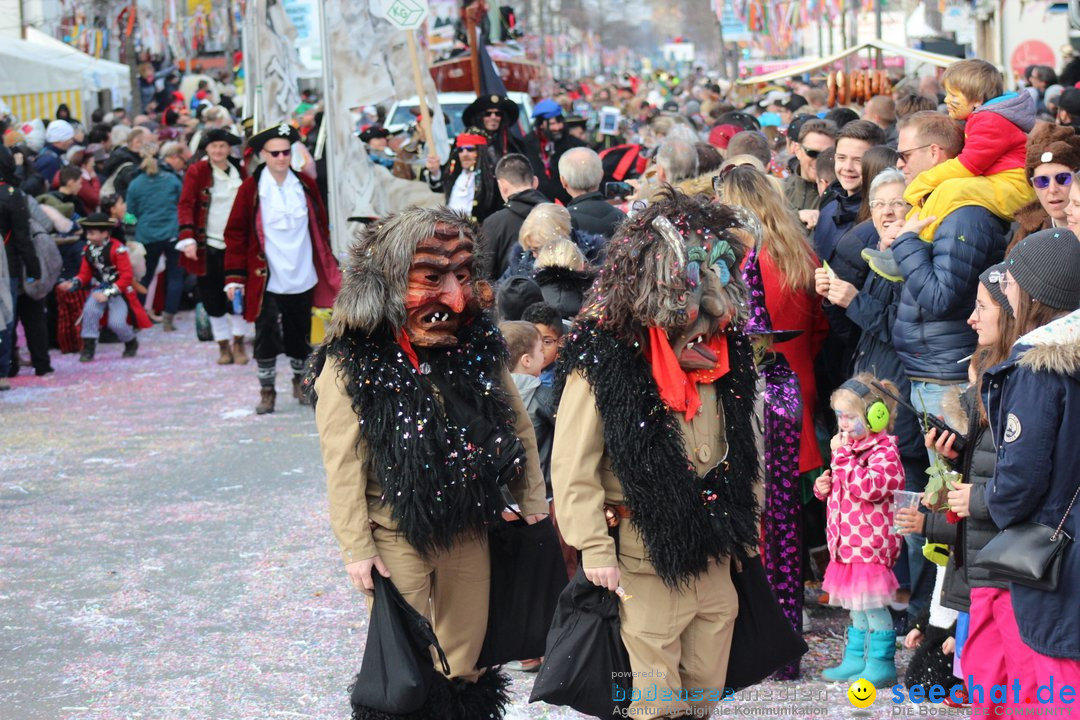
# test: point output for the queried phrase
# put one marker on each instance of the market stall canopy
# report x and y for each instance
(97, 74)
(40, 73)
(827, 61)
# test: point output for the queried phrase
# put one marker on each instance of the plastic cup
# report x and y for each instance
(903, 499)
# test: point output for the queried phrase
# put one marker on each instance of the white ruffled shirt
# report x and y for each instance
(461, 197)
(222, 194)
(284, 213)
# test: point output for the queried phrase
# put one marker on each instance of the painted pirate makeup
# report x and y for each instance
(440, 289)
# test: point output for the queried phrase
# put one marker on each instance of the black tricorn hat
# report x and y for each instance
(97, 221)
(373, 131)
(474, 113)
(219, 135)
(284, 131)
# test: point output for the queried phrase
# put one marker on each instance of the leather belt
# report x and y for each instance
(613, 514)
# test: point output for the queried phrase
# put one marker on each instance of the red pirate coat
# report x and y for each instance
(193, 209)
(112, 266)
(245, 247)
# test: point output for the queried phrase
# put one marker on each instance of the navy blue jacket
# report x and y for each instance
(1033, 405)
(931, 333)
(835, 219)
(873, 310)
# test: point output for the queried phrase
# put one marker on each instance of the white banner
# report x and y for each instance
(271, 68)
(365, 62)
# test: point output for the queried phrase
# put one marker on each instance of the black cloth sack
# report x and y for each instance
(585, 663)
(763, 640)
(397, 674)
(527, 575)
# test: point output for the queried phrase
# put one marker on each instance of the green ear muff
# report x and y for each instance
(877, 416)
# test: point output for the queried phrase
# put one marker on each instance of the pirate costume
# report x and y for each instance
(277, 251)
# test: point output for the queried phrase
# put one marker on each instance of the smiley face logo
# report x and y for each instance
(862, 693)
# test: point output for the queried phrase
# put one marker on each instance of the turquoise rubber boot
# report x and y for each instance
(880, 667)
(854, 657)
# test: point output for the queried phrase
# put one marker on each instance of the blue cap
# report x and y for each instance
(547, 108)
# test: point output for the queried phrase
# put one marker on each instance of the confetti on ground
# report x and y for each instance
(166, 554)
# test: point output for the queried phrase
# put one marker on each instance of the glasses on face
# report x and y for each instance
(897, 205)
(812, 154)
(493, 113)
(550, 342)
(278, 153)
(467, 148)
(905, 155)
(1041, 182)
(980, 308)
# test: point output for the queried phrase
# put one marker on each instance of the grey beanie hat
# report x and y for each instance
(1046, 265)
(991, 279)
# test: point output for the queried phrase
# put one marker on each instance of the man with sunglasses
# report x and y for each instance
(277, 254)
(468, 178)
(931, 333)
(800, 188)
(494, 116)
(546, 144)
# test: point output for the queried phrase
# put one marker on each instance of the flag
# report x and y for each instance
(271, 63)
(365, 62)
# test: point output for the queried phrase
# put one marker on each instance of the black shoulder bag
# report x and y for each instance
(1028, 553)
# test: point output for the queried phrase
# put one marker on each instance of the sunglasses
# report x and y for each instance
(493, 113)
(467, 148)
(812, 154)
(905, 155)
(278, 153)
(1041, 182)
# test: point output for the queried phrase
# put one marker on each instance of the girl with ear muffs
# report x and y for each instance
(858, 491)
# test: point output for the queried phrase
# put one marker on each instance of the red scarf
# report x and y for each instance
(407, 348)
(678, 388)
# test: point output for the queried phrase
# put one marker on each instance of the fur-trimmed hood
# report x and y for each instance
(956, 407)
(1054, 347)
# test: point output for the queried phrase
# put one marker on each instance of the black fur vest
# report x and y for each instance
(685, 520)
(439, 486)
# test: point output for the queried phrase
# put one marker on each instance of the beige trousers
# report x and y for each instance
(678, 640)
(450, 589)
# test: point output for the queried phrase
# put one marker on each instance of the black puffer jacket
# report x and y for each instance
(593, 214)
(499, 238)
(564, 289)
(969, 536)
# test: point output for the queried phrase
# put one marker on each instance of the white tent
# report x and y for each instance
(918, 56)
(38, 75)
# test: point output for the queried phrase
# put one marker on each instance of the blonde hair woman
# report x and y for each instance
(787, 271)
(545, 224)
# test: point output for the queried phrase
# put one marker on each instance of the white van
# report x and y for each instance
(453, 105)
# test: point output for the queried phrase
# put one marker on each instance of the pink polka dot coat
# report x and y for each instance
(860, 507)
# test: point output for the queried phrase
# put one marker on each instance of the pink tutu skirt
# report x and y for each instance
(859, 586)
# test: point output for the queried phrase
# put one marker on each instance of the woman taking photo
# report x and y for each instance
(210, 187)
(1023, 634)
(152, 197)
